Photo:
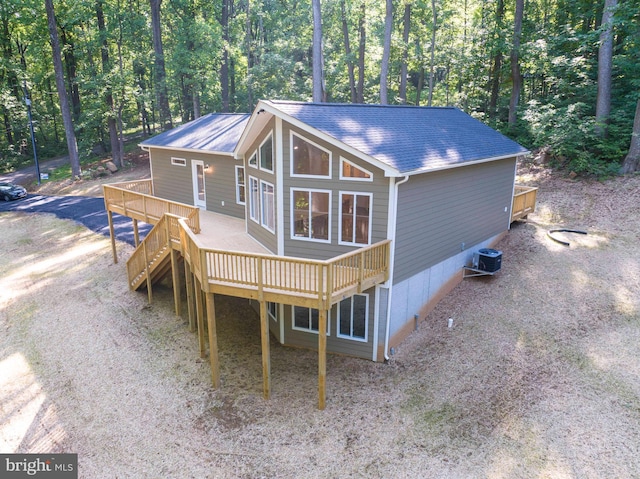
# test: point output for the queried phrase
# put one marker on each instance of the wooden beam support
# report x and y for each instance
(175, 279)
(200, 317)
(213, 341)
(147, 273)
(136, 233)
(266, 355)
(112, 234)
(189, 287)
(322, 358)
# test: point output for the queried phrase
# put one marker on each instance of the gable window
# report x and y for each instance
(355, 218)
(349, 171)
(178, 162)
(310, 217)
(307, 319)
(266, 155)
(240, 186)
(309, 159)
(353, 315)
(254, 203)
(253, 160)
(268, 214)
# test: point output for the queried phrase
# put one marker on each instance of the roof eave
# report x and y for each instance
(148, 147)
(466, 163)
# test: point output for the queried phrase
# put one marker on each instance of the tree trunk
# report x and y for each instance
(497, 64)
(72, 146)
(347, 51)
(405, 53)
(224, 68)
(160, 72)
(116, 154)
(433, 51)
(516, 80)
(605, 61)
(386, 53)
(71, 66)
(249, 57)
(361, 50)
(632, 161)
(318, 74)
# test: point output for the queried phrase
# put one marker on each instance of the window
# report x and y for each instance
(266, 155)
(310, 214)
(254, 204)
(355, 218)
(253, 160)
(240, 186)
(308, 159)
(178, 162)
(268, 214)
(349, 171)
(272, 310)
(353, 315)
(307, 319)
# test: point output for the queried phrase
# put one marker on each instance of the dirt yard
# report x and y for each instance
(538, 377)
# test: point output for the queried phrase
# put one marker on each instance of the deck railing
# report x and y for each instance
(524, 202)
(134, 200)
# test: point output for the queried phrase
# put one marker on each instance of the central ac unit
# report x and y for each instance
(486, 259)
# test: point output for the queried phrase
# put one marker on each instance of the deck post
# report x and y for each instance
(213, 341)
(147, 272)
(112, 234)
(200, 317)
(175, 279)
(136, 235)
(322, 358)
(266, 355)
(188, 276)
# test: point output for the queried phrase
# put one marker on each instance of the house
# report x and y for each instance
(421, 188)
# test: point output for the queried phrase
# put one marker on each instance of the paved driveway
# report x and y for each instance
(86, 210)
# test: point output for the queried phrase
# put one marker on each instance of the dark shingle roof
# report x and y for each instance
(215, 132)
(407, 138)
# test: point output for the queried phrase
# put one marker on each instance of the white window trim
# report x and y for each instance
(309, 330)
(366, 321)
(254, 206)
(178, 161)
(291, 162)
(255, 153)
(259, 154)
(293, 211)
(244, 175)
(262, 209)
(355, 193)
(351, 178)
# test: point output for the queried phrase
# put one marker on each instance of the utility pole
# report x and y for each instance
(33, 136)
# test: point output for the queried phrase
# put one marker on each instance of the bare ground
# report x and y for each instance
(539, 376)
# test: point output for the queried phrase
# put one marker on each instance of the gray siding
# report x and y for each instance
(439, 211)
(175, 183)
(256, 230)
(379, 187)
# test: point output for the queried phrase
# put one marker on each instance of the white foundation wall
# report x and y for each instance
(410, 295)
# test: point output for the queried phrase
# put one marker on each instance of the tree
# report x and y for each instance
(406, 22)
(159, 66)
(347, 52)
(384, 66)
(72, 145)
(631, 163)
(605, 63)
(433, 50)
(516, 80)
(318, 73)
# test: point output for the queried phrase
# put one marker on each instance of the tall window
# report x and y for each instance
(307, 319)
(254, 204)
(353, 315)
(309, 159)
(311, 217)
(240, 186)
(355, 218)
(266, 155)
(268, 215)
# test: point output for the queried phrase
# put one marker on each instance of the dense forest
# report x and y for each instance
(560, 74)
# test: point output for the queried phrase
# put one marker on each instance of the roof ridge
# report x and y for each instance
(359, 105)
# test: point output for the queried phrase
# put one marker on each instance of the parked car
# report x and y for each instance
(9, 191)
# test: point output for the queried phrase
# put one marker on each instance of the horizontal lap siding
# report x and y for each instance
(175, 183)
(437, 212)
(379, 188)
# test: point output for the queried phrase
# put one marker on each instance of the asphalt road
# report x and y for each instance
(86, 210)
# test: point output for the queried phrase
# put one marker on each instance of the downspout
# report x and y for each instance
(391, 265)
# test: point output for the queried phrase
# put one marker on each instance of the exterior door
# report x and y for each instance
(199, 194)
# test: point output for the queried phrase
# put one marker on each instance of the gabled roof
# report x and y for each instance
(214, 133)
(407, 139)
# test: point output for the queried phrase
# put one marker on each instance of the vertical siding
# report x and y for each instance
(379, 187)
(175, 183)
(439, 211)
